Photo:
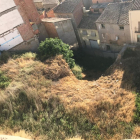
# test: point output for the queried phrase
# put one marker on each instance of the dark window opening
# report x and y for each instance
(138, 38)
(103, 26)
(121, 27)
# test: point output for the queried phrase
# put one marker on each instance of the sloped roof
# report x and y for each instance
(99, 5)
(116, 13)
(136, 5)
(88, 22)
(67, 6)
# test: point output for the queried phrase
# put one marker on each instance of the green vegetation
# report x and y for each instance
(52, 121)
(4, 80)
(137, 111)
(52, 47)
(77, 71)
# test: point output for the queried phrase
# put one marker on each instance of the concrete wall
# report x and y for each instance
(51, 29)
(88, 37)
(30, 45)
(108, 36)
(66, 32)
(38, 5)
(133, 20)
(97, 52)
(43, 32)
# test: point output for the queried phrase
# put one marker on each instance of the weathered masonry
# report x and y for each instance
(19, 25)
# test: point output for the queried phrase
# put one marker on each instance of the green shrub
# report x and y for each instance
(137, 111)
(4, 81)
(28, 55)
(77, 71)
(52, 47)
(4, 57)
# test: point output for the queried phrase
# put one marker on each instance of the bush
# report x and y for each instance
(77, 71)
(28, 55)
(52, 47)
(137, 111)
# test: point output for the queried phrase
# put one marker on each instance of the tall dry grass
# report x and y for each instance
(104, 102)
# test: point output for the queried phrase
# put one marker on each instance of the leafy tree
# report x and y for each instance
(52, 47)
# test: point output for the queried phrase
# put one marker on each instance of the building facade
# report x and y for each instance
(135, 22)
(20, 25)
(88, 32)
(71, 9)
(61, 28)
(113, 26)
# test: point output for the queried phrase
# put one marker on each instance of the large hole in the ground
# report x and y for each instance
(93, 66)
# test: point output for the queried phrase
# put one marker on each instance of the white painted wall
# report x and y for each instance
(134, 18)
(6, 4)
(10, 40)
(10, 20)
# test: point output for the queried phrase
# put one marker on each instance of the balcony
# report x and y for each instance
(137, 30)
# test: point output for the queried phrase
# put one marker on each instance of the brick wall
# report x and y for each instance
(28, 12)
(50, 13)
(78, 13)
(51, 30)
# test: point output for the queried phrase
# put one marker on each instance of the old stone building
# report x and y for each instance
(135, 22)
(113, 26)
(71, 9)
(88, 31)
(20, 25)
(61, 28)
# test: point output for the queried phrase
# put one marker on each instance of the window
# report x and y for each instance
(93, 33)
(138, 38)
(103, 26)
(84, 32)
(108, 47)
(121, 27)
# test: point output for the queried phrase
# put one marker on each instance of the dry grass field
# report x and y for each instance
(94, 110)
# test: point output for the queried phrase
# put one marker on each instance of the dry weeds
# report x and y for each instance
(104, 101)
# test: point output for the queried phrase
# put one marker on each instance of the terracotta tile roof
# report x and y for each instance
(67, 6)
(88, 22)
(116, 13)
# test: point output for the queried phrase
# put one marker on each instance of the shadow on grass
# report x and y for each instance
(93, 66)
